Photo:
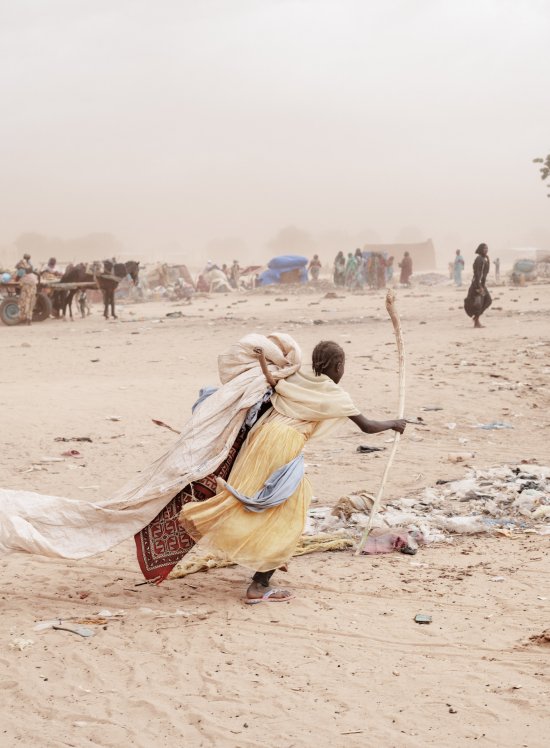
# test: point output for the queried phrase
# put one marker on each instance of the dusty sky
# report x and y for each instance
(171, 123)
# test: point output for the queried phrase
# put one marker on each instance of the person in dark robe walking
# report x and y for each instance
(478, 299)
(406, 266)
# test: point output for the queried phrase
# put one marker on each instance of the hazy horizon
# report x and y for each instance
(197, 127)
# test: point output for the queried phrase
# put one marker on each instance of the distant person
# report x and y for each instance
(83, 303)
(235, 275)
(497, 270)
(314, 268)
(23, 265)
(351, 267)
(225, 270)
(381, 272)
(478, 299)
(458, 267)
(358, 280)
(339, 269)
(51, 270)
(27, 297)
(406, 266)
(371, 269)
(389, 269)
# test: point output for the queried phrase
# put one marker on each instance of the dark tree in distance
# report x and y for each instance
(544, 169)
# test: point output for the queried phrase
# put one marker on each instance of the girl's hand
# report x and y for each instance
(399, 425)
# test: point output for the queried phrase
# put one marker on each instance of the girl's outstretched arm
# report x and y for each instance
(263, 364)
(374, 427)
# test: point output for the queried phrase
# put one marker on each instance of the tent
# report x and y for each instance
(422, 253)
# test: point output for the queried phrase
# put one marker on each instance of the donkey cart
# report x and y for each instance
(9, 299)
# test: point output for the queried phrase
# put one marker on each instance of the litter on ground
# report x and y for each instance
(501, 500)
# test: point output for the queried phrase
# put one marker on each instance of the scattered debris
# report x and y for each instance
(422, 618)
(20, 644)
(165, 425)
(71, 453)
(461, 457)
(72, 439)
(364, 449)
(346, 507)
(509, 498)
(494, 426)
(75, 629)
(542, 639)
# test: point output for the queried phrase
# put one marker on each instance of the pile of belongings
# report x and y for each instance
(524, 270)
(284, 269)
(213, 279)
(166, 281)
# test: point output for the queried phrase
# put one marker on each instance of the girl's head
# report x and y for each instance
(482, 250)
(328, 358)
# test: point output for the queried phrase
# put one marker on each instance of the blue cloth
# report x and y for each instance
(204, 392)
(278, 487)
(287, 262)
(254, 411)
(283, 264)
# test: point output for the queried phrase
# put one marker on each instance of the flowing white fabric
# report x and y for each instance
(60, 527)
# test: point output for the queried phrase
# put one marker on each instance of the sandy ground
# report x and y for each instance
(343, 664)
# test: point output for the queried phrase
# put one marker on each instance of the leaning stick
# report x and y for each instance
(392, 311)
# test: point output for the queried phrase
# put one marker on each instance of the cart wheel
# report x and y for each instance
(9, 311)
(42, 307)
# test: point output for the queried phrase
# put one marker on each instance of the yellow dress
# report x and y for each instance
(265, 540)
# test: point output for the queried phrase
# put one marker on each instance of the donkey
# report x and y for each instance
(109, 280)
(62, 298)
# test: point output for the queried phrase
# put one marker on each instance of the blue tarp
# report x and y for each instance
(283, 264)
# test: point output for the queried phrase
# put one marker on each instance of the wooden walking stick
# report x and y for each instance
(392, 311)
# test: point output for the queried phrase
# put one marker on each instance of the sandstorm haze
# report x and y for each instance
(191, 129)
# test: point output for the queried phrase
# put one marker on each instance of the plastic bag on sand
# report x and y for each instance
(387, 542)
(528, 502)
(462, 525)
(426, 534)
